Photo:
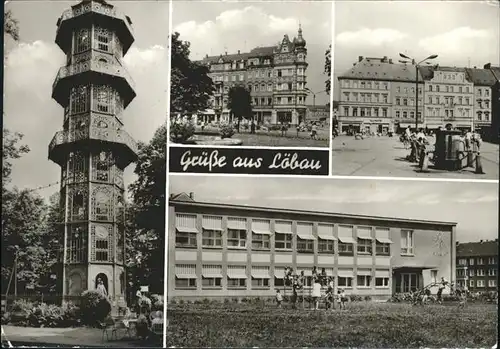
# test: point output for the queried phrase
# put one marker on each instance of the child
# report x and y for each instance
(342, 299)
(279, 298)
(316, 293)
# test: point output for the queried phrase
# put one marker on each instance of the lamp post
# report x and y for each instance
(314, 95)
(416, 82)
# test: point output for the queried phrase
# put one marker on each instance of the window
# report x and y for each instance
(382, 249)
(398, 101)
(492, 272)
(407, 242)
(305, 237)
(364, 246)
(260, 283)
(305, 245)
(405, 115)
(434, 275)
(82, 40)
(77, 251)
(462, 261)
(102, 165)
(102, 202)
(346, 241)
(480, 261)
(261, 241)
(344, 281)
(103, 96)
(346, 111)
(491, 260)
(211, 276)
(492, 283)
(471, 272)
(80, 99)
(236, 232)
(103, 38)
(102, 244)
(283, 241)
(480, 272)
(185, 276)
(381, 282)
(471, 283)
(363, 280)
(186, 231)
(236, 276)
(480, 283)
(471, 261)
(212, 238)
(397, 114)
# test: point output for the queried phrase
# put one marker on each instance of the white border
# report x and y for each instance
(165, 258)
(332, 85)
(177, 145)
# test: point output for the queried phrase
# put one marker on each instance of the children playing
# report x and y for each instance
(279, 298)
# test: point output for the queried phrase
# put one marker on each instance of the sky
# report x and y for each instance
(32, 64)
(212, 28)
(473, 205)
(461, 33)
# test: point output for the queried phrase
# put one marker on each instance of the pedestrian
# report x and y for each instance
(252, 127)
(314, 131)
(295, 286)
(316, 293)
(442, 285)
(279, 298)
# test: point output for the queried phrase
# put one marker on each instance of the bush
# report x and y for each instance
(6, 318)
(26, 313)
(226, 300)
(181, 130)
(226, 130)
(206, 301)
(355, 298)
(368, 298)
(157, 302)
(95, 307)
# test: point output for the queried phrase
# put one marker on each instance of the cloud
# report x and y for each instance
(371, 37)
(455, 41)
(140, 58)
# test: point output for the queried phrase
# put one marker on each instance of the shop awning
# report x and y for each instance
(260, 274)
(382, 273)
(211, 274)
(305, 236)
(326, 236)
(236, 224)
(186, 229)
(384, 240)
(345, 273)
(365, 234)
(261, 232)
(185, 276)
(347, 239)
(364, 272)
(236, 274)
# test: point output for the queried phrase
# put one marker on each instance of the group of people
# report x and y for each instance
(319, 280)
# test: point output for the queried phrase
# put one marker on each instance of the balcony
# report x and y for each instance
(93, 71)
(118, 140)
(94, 11)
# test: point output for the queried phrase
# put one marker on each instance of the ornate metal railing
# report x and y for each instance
(96, 7)
(116, 136)
(97, 66)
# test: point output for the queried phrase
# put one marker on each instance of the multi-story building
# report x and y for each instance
(477, 265)
(318, 113)
(274, 75)
(494, 134)
(221, 250)
(404, 94)
(365, 95)
(484, 82)
(448, 97)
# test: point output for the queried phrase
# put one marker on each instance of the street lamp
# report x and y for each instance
(416, 80)
(314, 95)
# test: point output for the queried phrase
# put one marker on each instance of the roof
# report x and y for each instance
(255, 52)
(174, 201)
(381, 69)
(427, 72)
(471, 249)
(182, 197)
(481, 77)
(496, 72)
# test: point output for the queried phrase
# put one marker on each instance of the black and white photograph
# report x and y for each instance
(84, 173)
(417, 91)
(251, 74)
(332, 263)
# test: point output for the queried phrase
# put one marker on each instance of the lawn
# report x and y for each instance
(363, 324)
(274, 139)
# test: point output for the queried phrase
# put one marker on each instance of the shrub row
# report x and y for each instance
(257, 300)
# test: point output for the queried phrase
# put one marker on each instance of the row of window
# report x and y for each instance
(365, 84)
(481, 283)
(483, 116)
(101, 249)
(448, 88)
(483, 92)
(368, 112)
(406, 115)
(105, 99)
(406, 89)
(407, 101)
(259, 74)
(477, 261)
(448, 113)
(211, 277)
(240, 64)
(449, 100)
(477, 272)
(366, 97)
(103, 39)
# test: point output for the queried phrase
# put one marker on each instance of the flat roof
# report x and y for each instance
(312, 213)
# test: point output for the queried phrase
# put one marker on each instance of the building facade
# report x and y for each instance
(318, 113)
(219, 250)
(93, 149)
(494, 134)
(449, 98)
(274, 75)
(377, 95)
(477, 265)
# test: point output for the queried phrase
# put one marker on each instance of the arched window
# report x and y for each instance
(102, 203)
(101, 244)
(82, 40)
(78, 205)
(79, 99)
(103, 98)
(102, 166)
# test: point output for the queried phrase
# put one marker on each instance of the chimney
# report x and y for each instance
(191, 195)
(487, 66)
(238, 51)
(360, 58)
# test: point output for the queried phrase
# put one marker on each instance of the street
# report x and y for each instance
(385, 157)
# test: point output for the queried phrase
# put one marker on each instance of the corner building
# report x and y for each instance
(477, 265)
(274, 75)
(221, 251)
(93, 149)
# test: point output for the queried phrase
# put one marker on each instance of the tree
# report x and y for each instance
(10, 25)
(190, 86)
(328, 68)
(240, 103)
(11, 151)
(146, 215)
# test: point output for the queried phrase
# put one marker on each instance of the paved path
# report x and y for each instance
(81, 336)
(385, 157)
